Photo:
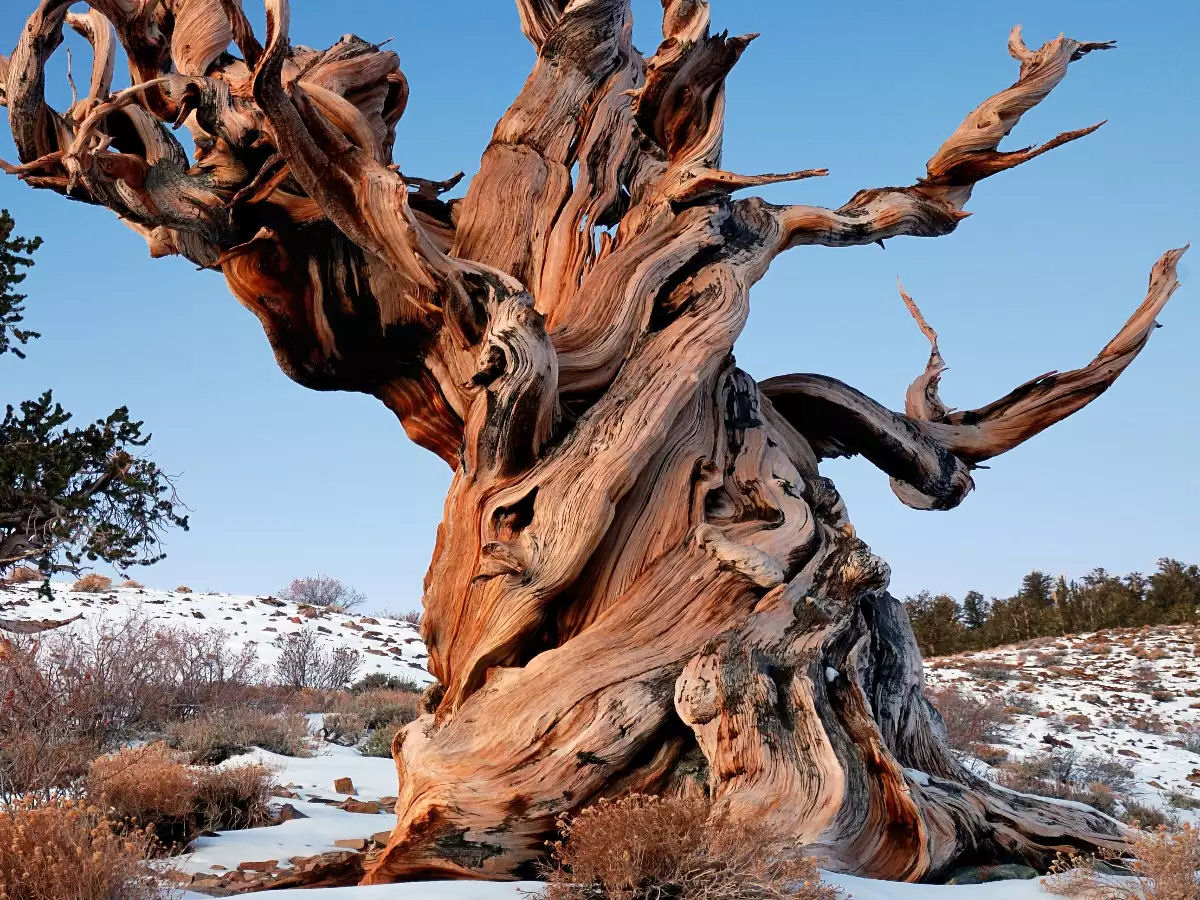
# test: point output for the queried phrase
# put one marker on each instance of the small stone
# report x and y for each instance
(285, 794)
(344, 786)
(381, 838)
(985, 874)
(287, 813)
(197, 614)
(351, 843)
(366, 807)
(265, 865)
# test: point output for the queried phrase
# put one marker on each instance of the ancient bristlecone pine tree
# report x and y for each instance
(642, 581)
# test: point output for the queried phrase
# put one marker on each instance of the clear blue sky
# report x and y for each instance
(283, 481)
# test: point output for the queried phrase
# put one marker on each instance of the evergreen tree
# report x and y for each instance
(70, 496)
(16, 255)
(937, 623)
(1174, 592)
(975, 610)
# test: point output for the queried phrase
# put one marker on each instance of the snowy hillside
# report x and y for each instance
(388, 646)
(1130, 695)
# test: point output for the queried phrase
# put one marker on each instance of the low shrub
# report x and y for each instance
(151, 788)
(1150, 724)
(379, 743)
(1141, 816)
(644, 848)
(23, 575)
(131, 583)
(363, 714)
(306, 663)
(183, 589)
(322, 591)
(970, 721)
(1189, 737)
(214, 738)
(66, 850)
(1182, 800)
(1063, 776)
(147, 786)
(234, 797)
(382, 680)
(92, 583)
(67, 698)
(1112, 773)
(1164, 867)
(43, 748)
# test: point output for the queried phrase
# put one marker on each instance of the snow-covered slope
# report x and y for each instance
(387, 645)
(1131, 695)
(1118, 694)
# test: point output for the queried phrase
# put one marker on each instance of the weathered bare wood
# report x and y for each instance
(642, 580)
(934, 205)
(35, 626)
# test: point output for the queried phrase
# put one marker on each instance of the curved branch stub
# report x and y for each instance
(922, 400)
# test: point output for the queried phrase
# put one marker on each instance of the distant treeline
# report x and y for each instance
(1048, 607)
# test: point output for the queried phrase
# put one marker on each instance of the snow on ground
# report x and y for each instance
(852, 888)
(1123, 694)
(389, 646)
(373, 778)
(1119, 694)
(416, 890)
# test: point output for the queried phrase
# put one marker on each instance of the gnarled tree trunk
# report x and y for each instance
(642, 581)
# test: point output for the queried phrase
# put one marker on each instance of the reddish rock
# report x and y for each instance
(366, 807)
(265, 865)
(344, 786)
(351, 843)
(287, 812)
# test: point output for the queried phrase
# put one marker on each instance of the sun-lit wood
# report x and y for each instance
(642, 580)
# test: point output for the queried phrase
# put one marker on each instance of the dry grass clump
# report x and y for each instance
(235, 797)
(214, 738)
(1141, 816)
(183, 589)
(379, 743)
(1182, 800)
(372, 714)
(651, 848)
(131, 583)
(67, 850)
(23, 575)
(1165, 867)
(1189, 737)
(970, 722)
(93, 583)
(151, 788)
(1093, 780)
